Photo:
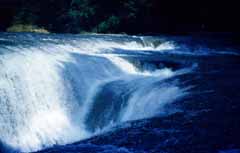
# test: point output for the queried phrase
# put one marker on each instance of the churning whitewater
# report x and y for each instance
(59, 91)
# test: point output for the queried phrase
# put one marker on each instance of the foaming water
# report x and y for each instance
(33, 101)
(58, 92)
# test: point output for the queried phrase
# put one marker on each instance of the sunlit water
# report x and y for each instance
(62, 89)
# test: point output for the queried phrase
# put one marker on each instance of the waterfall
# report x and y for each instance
(59, 91)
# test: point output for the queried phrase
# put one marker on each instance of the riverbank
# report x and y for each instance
(26, 28)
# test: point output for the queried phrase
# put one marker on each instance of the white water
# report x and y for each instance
(46, 90)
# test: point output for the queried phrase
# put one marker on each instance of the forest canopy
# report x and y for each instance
(120, 16)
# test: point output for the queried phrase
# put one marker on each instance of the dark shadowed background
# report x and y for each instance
(123, 16)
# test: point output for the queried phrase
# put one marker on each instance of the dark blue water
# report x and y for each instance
(119, 94)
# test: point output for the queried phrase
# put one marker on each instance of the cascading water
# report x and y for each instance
(55, 91)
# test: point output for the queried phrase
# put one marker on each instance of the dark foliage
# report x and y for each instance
(121, 16)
